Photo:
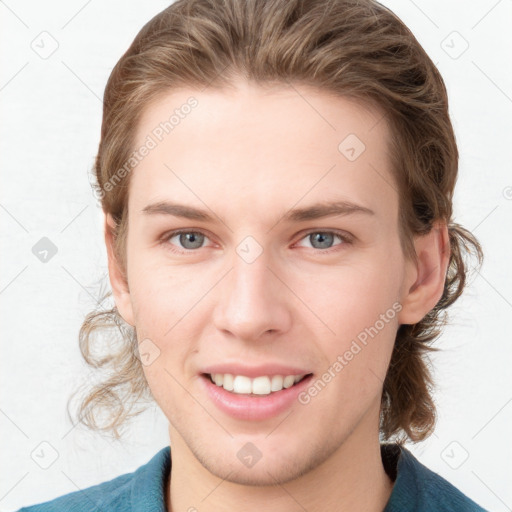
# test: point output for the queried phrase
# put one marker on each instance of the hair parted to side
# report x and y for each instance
(356, 49)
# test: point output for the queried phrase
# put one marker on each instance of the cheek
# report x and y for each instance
(166, 304)
(164, 333)
(161, 294)
(359, 304)
(349, 299)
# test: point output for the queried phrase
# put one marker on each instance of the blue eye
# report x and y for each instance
(189, 240)
(192, 240)
(324, 239)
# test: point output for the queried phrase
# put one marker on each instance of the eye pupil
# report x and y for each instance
(190, 237)
(322, 237)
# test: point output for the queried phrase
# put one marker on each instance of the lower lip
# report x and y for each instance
(254, 407)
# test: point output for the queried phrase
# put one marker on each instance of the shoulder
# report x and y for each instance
(146, 484)
(421, 489)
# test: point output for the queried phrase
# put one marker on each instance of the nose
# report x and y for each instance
(254, 301)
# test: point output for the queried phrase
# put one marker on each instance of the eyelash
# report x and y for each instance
(345, 237)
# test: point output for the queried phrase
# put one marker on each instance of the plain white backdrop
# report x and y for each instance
(56, 58)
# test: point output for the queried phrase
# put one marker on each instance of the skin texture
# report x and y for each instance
(248, 155)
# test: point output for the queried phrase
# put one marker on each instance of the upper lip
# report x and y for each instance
(269, 369)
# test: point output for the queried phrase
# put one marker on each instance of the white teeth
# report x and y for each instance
(242, 384)
(277, 383)
(289, 380)
(228, 382)
(263, 385)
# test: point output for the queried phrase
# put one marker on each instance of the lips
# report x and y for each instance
(268, 369)
(254, 407)
(258, 392)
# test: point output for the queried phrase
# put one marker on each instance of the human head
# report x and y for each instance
(356, 50)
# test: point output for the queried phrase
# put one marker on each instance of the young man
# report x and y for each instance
(276, 179)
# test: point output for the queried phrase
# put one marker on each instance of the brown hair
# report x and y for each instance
(352, 48)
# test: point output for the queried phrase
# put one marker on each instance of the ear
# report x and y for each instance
(424, 284)
(118, 282)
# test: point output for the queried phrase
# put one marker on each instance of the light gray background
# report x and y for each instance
(51, 115)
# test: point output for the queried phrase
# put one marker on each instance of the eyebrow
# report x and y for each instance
(313, 212)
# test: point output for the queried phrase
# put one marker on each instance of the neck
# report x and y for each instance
(352, 479)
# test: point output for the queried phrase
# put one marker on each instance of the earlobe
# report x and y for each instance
(425, 288)
(118, 281)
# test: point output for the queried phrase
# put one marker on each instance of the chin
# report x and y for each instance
(269, 474)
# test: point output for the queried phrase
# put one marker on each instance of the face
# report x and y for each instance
(260, 284)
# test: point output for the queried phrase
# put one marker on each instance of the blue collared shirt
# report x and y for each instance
(416, 489)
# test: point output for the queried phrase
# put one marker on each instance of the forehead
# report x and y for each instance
(252, 149)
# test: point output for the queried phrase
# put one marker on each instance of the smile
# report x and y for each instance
(254, 399)
(264, 385)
